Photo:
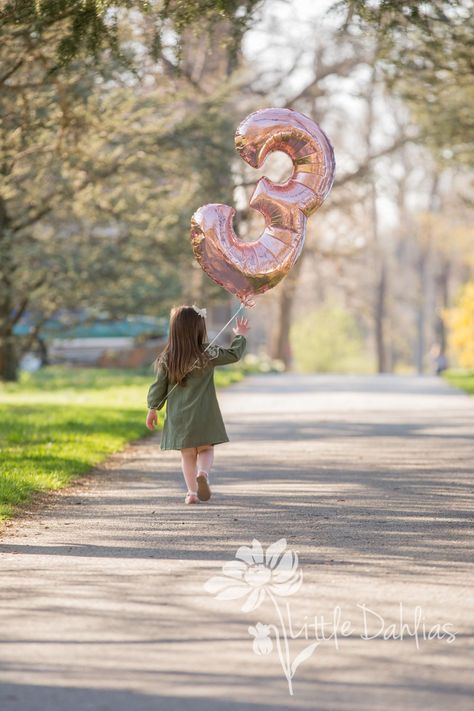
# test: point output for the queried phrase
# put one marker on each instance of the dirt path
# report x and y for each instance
(103, 606)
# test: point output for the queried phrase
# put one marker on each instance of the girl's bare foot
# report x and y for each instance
(204, 492)
(191, 498)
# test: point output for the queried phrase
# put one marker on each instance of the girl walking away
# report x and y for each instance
(185, 377)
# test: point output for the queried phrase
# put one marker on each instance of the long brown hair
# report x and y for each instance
(187, 333)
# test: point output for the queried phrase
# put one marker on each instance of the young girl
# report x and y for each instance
(185, 371)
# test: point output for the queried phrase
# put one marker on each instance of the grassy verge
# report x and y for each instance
(60, 422)
(463, 379)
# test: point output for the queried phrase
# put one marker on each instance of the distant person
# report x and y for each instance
(185, 377)
(440, 362)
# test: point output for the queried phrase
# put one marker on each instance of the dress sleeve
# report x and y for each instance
(158, 390)
(224, 356)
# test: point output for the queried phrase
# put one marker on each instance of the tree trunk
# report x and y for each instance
(381, 286)
(8, 358)
(43, 350)
(420, 340)
(280, 346)
(379, 318)
(380, 292)
(423, 263)
(442, 298)
(420, 316)
(8, 354)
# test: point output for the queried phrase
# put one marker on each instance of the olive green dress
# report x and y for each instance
(193, 416)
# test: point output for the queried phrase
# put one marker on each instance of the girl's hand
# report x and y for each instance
(242, 327)
(151, 419)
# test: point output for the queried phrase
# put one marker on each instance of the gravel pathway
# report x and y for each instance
(369, 480)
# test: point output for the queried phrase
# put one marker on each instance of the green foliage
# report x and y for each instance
(328, 340)
(426, 50)
(99, 178)
(463, 379)
(253, 363)
(228, 376)
(460, 322)
(59, 422)
(90, 27)
(45, 445)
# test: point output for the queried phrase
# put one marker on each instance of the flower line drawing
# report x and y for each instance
(257, 575)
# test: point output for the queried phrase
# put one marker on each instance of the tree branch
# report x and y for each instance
(338, 68)
(11, 71)
(364, 167)
(35, 216)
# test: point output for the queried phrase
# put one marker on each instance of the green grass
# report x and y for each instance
(463, 379)
(60, 422)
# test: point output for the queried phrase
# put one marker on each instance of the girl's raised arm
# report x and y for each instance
(233, 354)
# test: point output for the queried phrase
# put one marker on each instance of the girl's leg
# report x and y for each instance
(188, 463)
(205, 458)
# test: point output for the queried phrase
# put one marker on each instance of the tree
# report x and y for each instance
(88, 27)
(386, 272)
(460, 321)
(328, 340)
(426, 52)
(100, 169)
(336, 57)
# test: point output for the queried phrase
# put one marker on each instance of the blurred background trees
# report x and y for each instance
(387, 246)
(117, 122)
(111, 130)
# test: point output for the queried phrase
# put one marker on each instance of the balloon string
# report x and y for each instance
(197, 360)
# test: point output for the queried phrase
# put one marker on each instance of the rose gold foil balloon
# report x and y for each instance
(249, 268)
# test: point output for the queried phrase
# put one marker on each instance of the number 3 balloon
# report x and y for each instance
(249, 268)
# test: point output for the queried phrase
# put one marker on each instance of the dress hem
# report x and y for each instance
(189, 446)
